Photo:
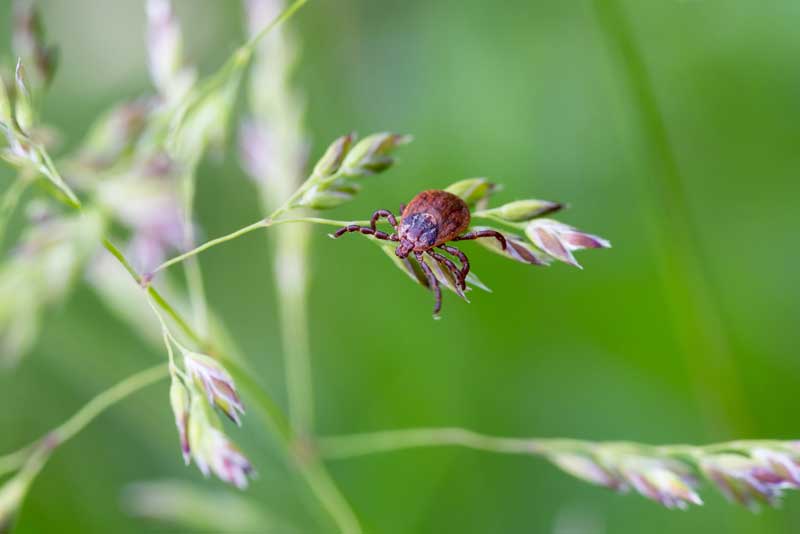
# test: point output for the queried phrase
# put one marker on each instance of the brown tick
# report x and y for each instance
(428, 222)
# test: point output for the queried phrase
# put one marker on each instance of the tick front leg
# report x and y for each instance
(382, 213)
(483, 233)
(432, 281)
(462, 258)
(455, 271)
(364, 230)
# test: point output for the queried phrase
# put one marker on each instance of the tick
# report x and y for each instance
(428, 222)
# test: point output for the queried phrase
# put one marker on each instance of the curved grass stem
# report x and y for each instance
(86, 415)
(696, 315)
(263, 223)
(354, 445)
(338, 447)
(13, 461)
(310, 468)
(106, 399)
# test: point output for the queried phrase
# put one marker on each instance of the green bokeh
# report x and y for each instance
(526, 93)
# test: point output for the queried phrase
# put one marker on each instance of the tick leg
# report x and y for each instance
(455, 271)
(483, 233)
(366, 231)
(432, 281)
(461, 257)
(382, 213)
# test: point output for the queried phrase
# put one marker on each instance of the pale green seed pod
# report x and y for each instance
(330, 162)
(331, 198)
(322, 197)
(23, 106)
(523, 210)
(28, 43)
(179, 400)
(6, 101)
(589, 469)
(473, 191)
(371, 155)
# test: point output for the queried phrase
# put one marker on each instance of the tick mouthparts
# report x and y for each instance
(404, 249)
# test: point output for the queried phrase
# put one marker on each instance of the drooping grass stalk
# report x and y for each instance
(197, 295)
(695, 313)
(749, 472)
(264, 223)
(354, 445)
(340, 447)
(311, 471)
(212, 243)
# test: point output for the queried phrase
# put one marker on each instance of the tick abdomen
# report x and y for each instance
(434, 217)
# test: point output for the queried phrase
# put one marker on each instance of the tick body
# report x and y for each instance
(428, 223)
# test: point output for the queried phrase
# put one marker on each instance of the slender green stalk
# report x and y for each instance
(338, 447)
(117, 253)
(106, 399)
(311, 470)
(86, 414)
(276, 107)
(232, 70)
(318, 220)
(197, 295)
(175, 316)
(264, 223)
(13, 461)
(209, 244)
(153, 292)
(354, 445)
(696, 315)
(320, 481)
(291, 278)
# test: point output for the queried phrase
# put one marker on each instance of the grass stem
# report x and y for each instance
(696, 315)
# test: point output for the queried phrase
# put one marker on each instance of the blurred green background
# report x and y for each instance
(529, 94)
